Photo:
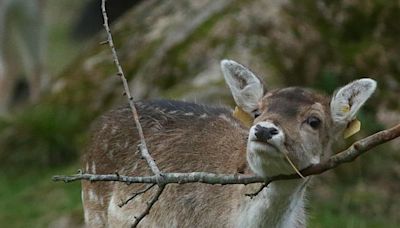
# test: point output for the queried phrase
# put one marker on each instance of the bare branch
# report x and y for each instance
(143, 147)
(348, 155)
(123, 203)
(149, 205)
(169, 178)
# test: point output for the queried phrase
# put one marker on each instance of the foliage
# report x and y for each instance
(41, 135)
(339, 40)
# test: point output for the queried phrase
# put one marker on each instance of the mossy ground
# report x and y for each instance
(30, 199)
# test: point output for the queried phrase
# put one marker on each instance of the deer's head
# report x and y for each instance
(293, 121)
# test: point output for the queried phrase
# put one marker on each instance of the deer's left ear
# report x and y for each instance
(348, 100)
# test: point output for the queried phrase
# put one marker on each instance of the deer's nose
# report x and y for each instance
(265, 133)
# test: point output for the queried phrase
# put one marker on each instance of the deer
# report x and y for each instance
(186, 137)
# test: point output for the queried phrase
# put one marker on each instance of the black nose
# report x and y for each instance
(265, 133)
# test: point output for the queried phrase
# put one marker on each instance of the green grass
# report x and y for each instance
(326, 215)
(30, 199)
(354, 205)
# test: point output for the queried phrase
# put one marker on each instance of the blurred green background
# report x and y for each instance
(172, 49)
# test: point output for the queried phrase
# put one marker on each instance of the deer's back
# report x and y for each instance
(181, 137)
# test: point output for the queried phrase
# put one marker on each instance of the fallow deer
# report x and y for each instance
(187, 137)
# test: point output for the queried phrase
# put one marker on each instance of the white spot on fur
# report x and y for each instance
(105, 146)
(114, 130)
(222, 116)
(93, 167)
(110, 154)
(203, 116)
(85, 215)
(189, 114)
(315, 160)
(134, 167)
(92, 215)
(85, 210)
(97, 218)
(126, 145)
(121, 214)
(92, 196)
(173, 112)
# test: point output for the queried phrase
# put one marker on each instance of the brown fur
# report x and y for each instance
(114, 149)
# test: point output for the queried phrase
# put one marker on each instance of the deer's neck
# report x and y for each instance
(281, 204)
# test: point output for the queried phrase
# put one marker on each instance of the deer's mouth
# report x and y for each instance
(267, 147)
(265, 143)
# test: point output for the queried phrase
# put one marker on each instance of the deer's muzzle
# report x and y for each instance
(263, 134)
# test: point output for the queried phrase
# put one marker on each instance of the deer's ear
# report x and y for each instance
(246, 88)
(348, 100)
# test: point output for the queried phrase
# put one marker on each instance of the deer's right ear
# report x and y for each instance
(246, 88)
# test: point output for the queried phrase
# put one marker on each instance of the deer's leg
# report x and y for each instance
(94, 205)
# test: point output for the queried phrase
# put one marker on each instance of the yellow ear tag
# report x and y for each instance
(346, 108)
(353, 127)
(243, 116)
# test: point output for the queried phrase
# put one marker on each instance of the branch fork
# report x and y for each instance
(143, 147)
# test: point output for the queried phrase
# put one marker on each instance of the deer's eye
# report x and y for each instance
(256, 113)
(314, 122)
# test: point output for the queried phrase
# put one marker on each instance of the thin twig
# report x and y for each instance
(103, 42)
(251, 195)
(143, 146)
(149, 206)
(123, 203)
(348, 155)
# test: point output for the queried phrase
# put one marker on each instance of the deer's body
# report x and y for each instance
(221, 154)
(186, 137)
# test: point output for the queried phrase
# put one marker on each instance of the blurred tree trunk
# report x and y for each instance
(22, 52)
